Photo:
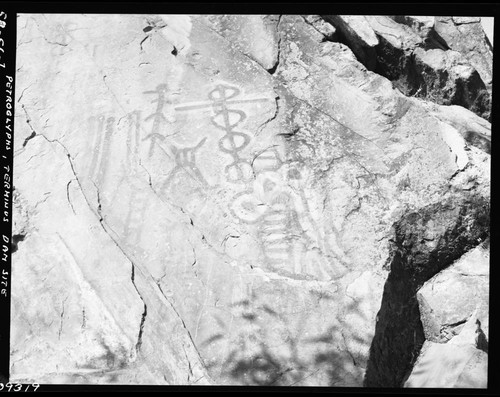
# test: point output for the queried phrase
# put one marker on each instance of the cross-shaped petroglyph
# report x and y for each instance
(185, 161)
(184, 158)
(222, 97)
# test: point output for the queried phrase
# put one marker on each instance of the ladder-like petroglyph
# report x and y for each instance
(63, 38)
(137, 208)
(104, 130)
(110, 148)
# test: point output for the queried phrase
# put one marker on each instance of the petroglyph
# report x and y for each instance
(266, 160)
(136, 207)
(272, 199)
(104, 129)
(63, 38)
(158, 117)
(227, 119)
(185, 161)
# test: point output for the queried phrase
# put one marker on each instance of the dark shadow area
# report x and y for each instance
(399, 333)
(16, 238)
(481, 340)
(411, 75)
(478, 140)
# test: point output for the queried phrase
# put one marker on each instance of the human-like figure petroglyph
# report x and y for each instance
(185, 161)
(158, 117)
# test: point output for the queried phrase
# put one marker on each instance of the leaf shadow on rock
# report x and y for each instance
(320, 359)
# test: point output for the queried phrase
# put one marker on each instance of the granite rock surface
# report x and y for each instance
(249, 200)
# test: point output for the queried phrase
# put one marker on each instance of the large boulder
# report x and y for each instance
(445, 366)
(449, 299)
(229, 200)
(466, 35)
(447, 78)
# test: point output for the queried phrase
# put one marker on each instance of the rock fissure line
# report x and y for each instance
(348, 351)
(144, 313)
(182, 322)
(311, 106)
(68, 196)
(132, 276)
(325, 36)
(230, 44)
(185, 214)
(273, 70)
(272, 118)
(98, 213)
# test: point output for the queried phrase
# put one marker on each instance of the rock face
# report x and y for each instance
(445, 60)
(244, 200)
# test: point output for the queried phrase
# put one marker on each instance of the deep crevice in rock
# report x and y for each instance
(399, 333)
(16, 238)
(144, 313)
(272, 70)
(68, 196)
(33, 134)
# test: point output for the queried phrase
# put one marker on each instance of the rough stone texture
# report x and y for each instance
(454, 311)
(358, 34)
(424, 27)
(449, 299)
(475, 130)
(253, 35)
(445, 366)
(449, 79)
(322, 26)
(466, 36)
(228, 200)
(426, 242)
(411, 52)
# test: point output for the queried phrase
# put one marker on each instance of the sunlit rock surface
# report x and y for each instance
(230, 200)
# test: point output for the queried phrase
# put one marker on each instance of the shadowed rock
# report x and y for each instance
(358, 35)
